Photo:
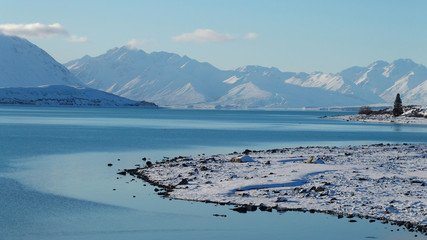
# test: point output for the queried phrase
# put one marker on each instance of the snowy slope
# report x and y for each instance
(165, 78)
(60, 95)
(28, 75)
(379, 79)
(23, 64)
(171, 80)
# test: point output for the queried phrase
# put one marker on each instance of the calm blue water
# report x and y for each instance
(55, 183)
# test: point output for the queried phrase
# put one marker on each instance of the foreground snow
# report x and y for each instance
(405, 118)
(376, 181)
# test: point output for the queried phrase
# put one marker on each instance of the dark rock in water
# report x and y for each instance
(220, 215)
(162, 193)
(149, 164)
(144, 159)
(340, 216)
(262, 207)
(352, 220)
(372, 220)
(122, 173)
(110, 164)
(240, 209)
(251, 208)
(408, 225)
(156, 189)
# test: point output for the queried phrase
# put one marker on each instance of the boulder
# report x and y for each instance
(244, 158)
(281, 199)
(317, 161)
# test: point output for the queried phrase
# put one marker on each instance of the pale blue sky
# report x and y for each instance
(315, 35)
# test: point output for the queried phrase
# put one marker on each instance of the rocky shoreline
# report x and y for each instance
(377, 182)
(415, 115)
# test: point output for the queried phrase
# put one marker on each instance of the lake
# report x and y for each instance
(55, 182)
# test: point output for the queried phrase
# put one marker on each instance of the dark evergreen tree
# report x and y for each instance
(397, 109)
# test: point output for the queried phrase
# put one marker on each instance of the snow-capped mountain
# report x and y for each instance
(380, 78)
(160, 77)
(171, 80)
(61, 95)
(23, 64)
(28, 75)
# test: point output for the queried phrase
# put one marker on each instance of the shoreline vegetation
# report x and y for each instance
(380, 182)
(411, 115)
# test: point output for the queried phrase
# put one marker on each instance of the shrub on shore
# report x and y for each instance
(365, 110)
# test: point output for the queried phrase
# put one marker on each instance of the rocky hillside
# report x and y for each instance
(66, 96)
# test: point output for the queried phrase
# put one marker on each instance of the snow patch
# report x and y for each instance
(231, 80)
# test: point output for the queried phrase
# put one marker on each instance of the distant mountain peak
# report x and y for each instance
(378, 64)
(404, 61)
(255, 68)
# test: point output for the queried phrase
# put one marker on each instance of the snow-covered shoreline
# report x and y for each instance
(382, 119)
(386, 182)
(408, 117)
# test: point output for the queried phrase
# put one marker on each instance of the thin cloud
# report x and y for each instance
(77, 39)
(38, 30)
(251, 35)
(142, 43)
(135, 43)
(202, 36)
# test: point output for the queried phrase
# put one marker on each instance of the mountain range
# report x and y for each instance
(30, 76)
(179, 81)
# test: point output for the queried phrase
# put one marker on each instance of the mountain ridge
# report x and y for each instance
(162, 77)
(61, 95)
(30, 76)
(23, 64)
